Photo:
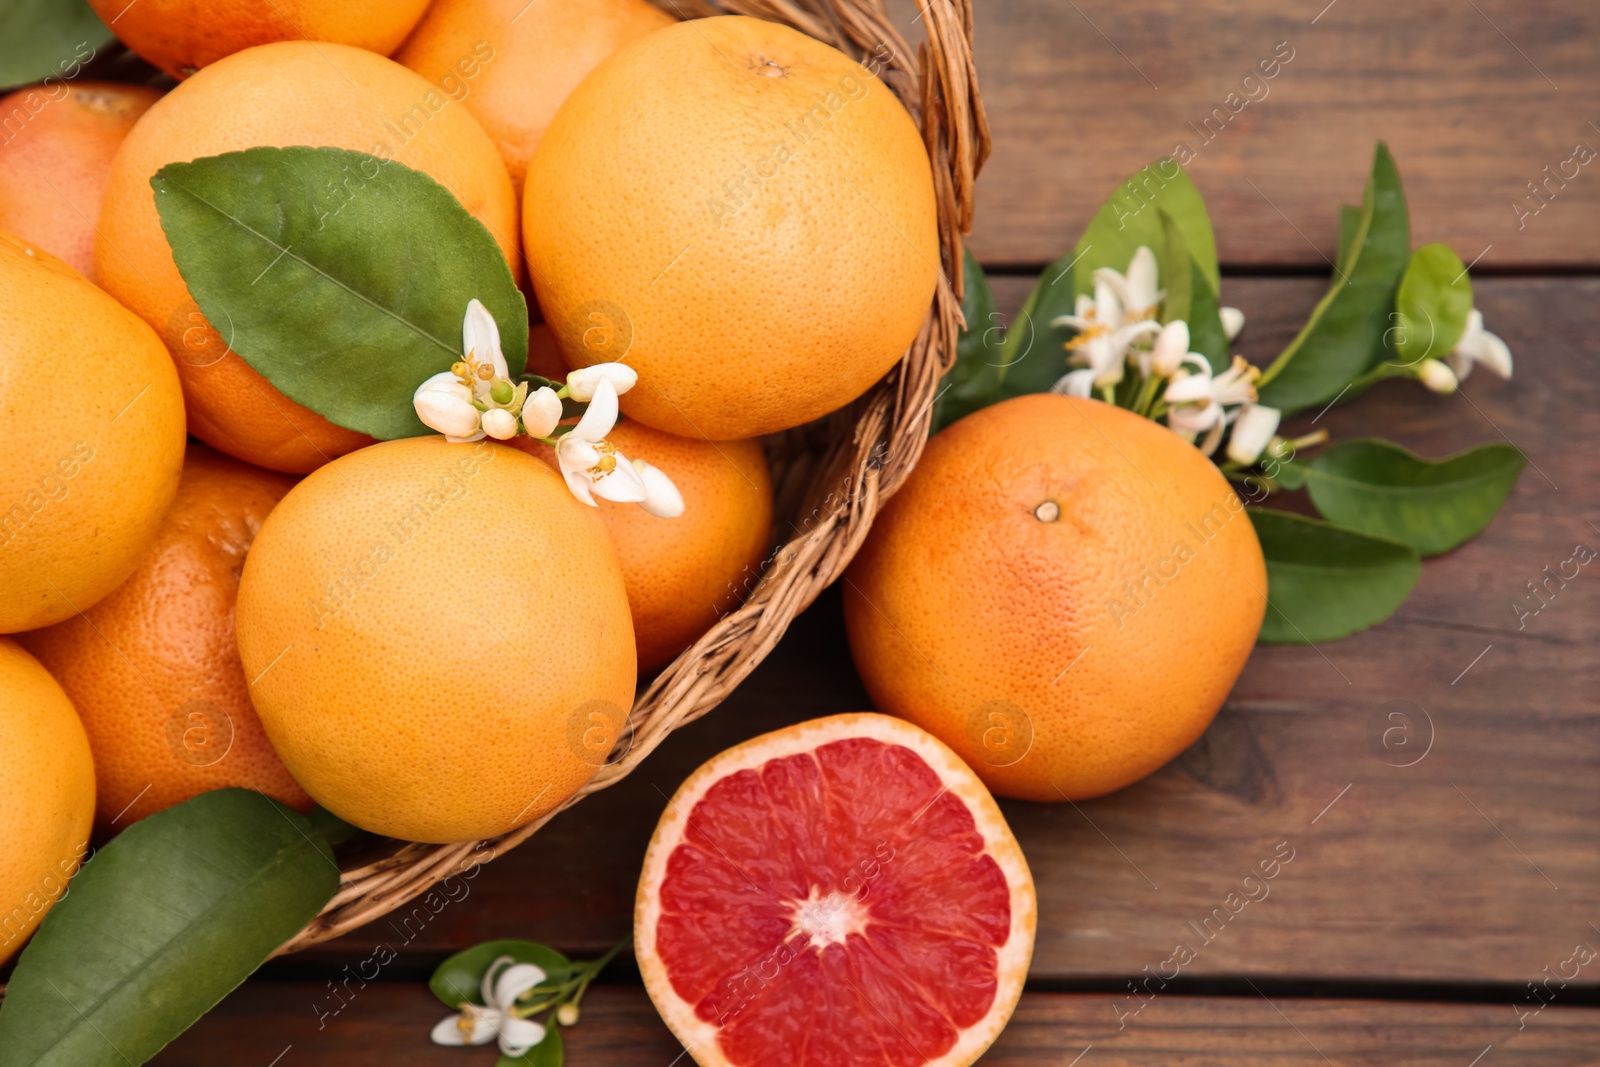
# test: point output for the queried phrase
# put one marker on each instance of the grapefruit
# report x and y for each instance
(843, 891)
(538, 52)
(154, 670)
(181, 36)
(295, 93)
(1063, 592)
(776, 256)
(46, 794)
(437, 638)
(53, 167)
(91, 427)
(685, 573)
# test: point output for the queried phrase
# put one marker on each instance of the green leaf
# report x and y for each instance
(1177, 271)
(1432, 306)
(1206, 335)
(1132, 217)
(1349, 227)
(1345, 334)
(547, 1053)
(342, 278)
(48, 40)
(460, 978)
(1324, 582)
(168, 917)
(1032, 356)
(974, 381)
(1379, 488)
(330, 827)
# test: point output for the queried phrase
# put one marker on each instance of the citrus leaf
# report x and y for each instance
(1132, 217)
(460, 978)
(1177, 271)
(1349, 227)
(974, 381)
(341, 277)
(547, 1053)
(1345, 334)
(1032, 357)
(1432, 305)
(168, 917)
(1379, 488)
(1324, 582)
(48, 40)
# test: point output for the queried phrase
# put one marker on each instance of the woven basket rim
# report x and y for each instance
(870, 446)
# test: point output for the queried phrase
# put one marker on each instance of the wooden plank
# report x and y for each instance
(1080, 95)
(1441, 870)
(389, 1022)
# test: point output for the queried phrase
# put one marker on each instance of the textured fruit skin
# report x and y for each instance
(53, 167)
(153, 669)
(295, 93)
(973, 618)
(540, 52)
(46, 794)
(739, 320)
(91, 427)
(684, 574)
(181, 36)
(427, 626)
(709, 1043)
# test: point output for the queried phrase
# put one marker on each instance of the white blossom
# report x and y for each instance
(503, 983)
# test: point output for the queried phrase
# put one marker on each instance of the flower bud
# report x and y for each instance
(581, 382)
(1171, 345)
(1232, 321)
(541, 411)
(499, 424)
(1436, 376)
(567, 1014)
(445, 405)
(1252, 432)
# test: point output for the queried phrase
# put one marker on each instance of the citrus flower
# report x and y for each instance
(1478, 345)
(1101, 346)
(444, 403)
(541, 411)
(1136, 290)
(1232, 321)
(1198, 401)
(1252, 432)
(592, 465)
(582, 382)
(1437, 376)
(503, 983)
(1167, 354)
(484, 363)
(661, 497)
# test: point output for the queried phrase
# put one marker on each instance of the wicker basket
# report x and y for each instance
(831, 476)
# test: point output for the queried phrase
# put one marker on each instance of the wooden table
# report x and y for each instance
(1422, 899)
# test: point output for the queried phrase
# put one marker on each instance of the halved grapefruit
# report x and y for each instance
(842, 892)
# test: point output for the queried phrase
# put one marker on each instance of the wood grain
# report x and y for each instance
(1478, 863)
(389, 1023)
(1474, 99)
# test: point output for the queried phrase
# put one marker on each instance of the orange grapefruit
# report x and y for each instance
(154, 670)
(91, 425)
(53, 167)
(295, 93)
(776, 256)
(536, 54)
(1063, 592)
(846, 887)
(46, 794)
(437, 638)
(181, 36)
(683, 574)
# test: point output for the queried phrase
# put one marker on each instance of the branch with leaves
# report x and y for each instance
(1132, 317)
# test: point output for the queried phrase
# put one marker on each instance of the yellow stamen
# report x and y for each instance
(1095, 329)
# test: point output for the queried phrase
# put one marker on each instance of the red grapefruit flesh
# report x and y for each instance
(842, 892)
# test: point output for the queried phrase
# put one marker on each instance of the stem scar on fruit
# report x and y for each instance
(1049, 511)
(770, 68)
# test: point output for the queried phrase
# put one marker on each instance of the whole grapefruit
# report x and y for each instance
(91, 427)
(154, 670)
(437, 638)
(535, 54)
(294, 93)
(46, 794)
(685, 573)
(181, 36)
(53, 167)
(745, 215)
(846, 887)
(1063, 592)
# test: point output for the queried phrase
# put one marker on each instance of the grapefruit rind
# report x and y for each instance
(699, 1037)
